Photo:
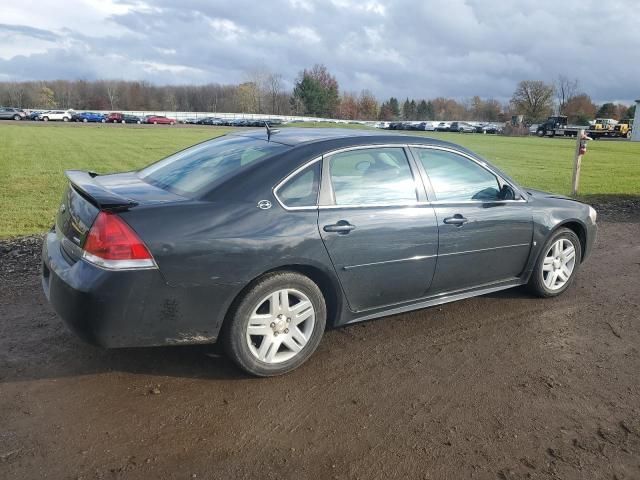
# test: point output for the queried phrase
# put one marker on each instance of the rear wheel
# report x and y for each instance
(540, 132)
(557, 264)
(84, 120)
(276, 325)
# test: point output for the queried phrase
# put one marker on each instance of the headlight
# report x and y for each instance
(593, 214)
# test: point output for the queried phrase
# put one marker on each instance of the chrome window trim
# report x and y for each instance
(289, 177)
(417, 203)
(482, 164)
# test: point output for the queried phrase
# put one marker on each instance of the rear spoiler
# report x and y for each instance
(85, 185)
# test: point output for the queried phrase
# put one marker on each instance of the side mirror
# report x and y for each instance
(507, 193)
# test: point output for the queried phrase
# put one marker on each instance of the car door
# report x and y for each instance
(485, 225)
(379, 231)
(4, 113)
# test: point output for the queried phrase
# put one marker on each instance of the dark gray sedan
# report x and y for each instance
(262, 239)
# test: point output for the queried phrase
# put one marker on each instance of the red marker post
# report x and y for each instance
(581, 149)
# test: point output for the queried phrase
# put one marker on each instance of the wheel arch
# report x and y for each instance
(328, 285)
(577, 227)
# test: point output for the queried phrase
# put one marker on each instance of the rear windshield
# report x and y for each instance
(198, 169)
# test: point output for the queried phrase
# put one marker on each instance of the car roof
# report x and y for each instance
(298, 136)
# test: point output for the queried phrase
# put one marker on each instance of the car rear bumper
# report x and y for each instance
(131, 308)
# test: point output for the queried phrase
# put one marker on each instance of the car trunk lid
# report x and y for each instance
(89, 193)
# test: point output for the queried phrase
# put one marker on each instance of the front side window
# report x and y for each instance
(201, 167)
(302, 189)
(372, 176)
(456, 178)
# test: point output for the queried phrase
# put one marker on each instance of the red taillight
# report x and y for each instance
(112, 243)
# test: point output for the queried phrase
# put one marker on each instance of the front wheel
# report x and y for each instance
(84, 120)
(541, 133)
(65, 119)
(277, 324)
(17, 117)
(557, 264)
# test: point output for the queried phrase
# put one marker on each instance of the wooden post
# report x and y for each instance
(577, 161)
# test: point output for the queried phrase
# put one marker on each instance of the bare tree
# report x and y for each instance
(16, 92)
(566, 89)
(533, 99)
(274, 89)
(112, 90)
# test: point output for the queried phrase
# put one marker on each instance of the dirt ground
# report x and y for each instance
(504, 386)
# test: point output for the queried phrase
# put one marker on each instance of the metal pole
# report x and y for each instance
(577, 162)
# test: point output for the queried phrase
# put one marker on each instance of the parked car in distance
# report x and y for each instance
(159, 120)
(462, 127)
(86, 117)
(443, 127)
(57, 115)
(261, 239)
(492, 129)
(33, 115)
(11, 113)
(117, 117)
(211, 121)
(189, 121)
(428, 126)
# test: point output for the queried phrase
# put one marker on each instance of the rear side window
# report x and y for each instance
(456, 178)
(372, 176)
(302, 189)
(201, 167)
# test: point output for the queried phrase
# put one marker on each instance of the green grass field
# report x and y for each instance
(33, 158)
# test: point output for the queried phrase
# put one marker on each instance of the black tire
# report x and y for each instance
(541, 133)
(65, 119)
(84, 120)
(45, 119)
(536, 282)
(234, 332)
(17, 118)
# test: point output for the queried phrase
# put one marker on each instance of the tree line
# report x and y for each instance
(316, 93)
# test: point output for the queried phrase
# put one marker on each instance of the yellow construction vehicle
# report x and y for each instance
(602, 127)
(623, 129)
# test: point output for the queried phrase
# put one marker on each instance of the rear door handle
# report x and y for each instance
(457, 220)
(342, 227)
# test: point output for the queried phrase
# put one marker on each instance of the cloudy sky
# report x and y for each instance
(421, 49)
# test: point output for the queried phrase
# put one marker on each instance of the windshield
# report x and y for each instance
(199, 168)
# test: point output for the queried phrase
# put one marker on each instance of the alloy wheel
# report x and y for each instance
(280, 326)
(559, 263)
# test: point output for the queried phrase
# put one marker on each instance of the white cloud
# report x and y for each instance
(404, 48)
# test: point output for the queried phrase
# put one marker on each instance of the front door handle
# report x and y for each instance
(457, 220)
(342, 227)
